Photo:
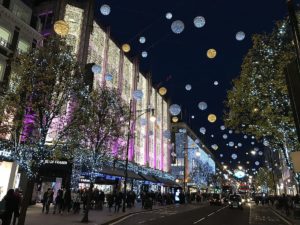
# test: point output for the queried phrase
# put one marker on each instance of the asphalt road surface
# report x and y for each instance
(207, 215)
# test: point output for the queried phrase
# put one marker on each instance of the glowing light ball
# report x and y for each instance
(215, 147)
(105, 10)
(143, 121)
(256, 163)
(167, 134)
(193, 117)
(202, 105)
(211, 53)
(260, 153)
(234, 156)
(202, 130)
(177, 26)
(252, 143)
(212, 135)
(175, 119)
(231, 143)
(162, 91)
(240, 36)
(96, 69)
(199, 21)
(230, 131)
(212, 118)
(108, 77)
(239, 174)
(197, 141)
(245, 136)
(252, 137)
(240, 144)
(222, 127)
(61, 27)
(126, 48)
(138, 95)
(169, 15)
(142, 40)
(247, 162)
(175, 109)
(225, 136)
(216, 83)
(221, 155)
(144, 54)
(188, 87)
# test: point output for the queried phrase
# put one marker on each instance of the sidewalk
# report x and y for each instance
(96, 217)
(290, 218)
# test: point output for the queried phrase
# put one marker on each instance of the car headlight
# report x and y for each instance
(240, 203)
(243, 200)
(229, 202)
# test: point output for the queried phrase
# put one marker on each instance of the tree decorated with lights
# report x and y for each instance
(100, 135)
(38, 108)
(264, 180)
(258, 103)
(202, 174)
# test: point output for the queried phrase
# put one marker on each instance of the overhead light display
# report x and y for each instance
(175, 119)
(225, 136)
(126, 48)
(142, 40)
(234, 156)
(144, 54)
(96, 69)
(256, 163)
(108, 77)
(105, 10)
(211, 53)
(212, 118)
(61, 27)
(231, 143)
(240, 36)
(202, 105)
(239, 174)
(175, 109)
(216, 83)
(177, 26)
(169, 15)
(222, 127)
(202, 130)
(162, 91)
(188, 87)
(199, 21)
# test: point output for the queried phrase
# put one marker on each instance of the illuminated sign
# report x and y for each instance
(239, 174)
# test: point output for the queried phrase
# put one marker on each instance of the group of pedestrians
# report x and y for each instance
(10, 207)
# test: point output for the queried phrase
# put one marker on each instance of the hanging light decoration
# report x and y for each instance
(216, 83)
(202, 105)
(175, 109)
(197, 141)
(212, 118)
(162, 91)
(245, 136)
(221, 155)
(175, 119)
(177, 26)
(240, 36)
(61, 27)
(142, 40)
(108, 77)
(202, 130)
(105, 10)
(256, 163)
(169, 15)
(96, 69)
(222, 127)
(126, 48)
(231, 143)
(240, 144)
(260, 153)
(138, 95)
(199, 21)
(234, 156)
(225, 136)
(144, 54)
(230, 131)
(188, 87)
(215, 147)
(211, 53)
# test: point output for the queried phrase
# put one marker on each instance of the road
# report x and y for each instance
(207, 215)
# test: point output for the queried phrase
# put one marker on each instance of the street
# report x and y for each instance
(208, 215)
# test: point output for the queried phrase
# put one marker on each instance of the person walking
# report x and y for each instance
(19, 200)
(67, 200)
(58, 201)
(10, 207)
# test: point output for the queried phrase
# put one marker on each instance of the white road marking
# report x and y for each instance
(281, 217)
(126, 217)
(250, 214)
(199, 220)
(211, 214)
(142, 222)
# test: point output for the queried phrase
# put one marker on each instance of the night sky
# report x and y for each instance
(182, 57)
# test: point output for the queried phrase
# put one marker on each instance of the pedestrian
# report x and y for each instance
(47, 200)
(101, 199)
(10, 207)
(19, 200)
(67, 200)
(110, 201)
(118, 200)
(58, 202)
(76, 198)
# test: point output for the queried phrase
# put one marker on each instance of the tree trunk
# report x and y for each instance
(85, 218)
(26, 201)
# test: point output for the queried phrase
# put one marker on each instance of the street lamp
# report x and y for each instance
(152, 119)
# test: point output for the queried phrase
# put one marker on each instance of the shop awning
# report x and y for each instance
(167, 182)
(121, 173)
(148, 178)
(134, 176)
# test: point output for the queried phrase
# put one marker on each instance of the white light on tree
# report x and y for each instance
(199, 21)
(175, 109)
(222, 127)
(240, 36)
(234, 156)
(96, 69)
(188, 87)
(256, 163)
(177, 26)
(105, 10)
(142, 40)
(138, 95)
(202, 130)
(144, 54)
(225, 136)
(193, 117)
(212, 135)
(231, 143)
(202, 105)
(169, 15)
(108, 77)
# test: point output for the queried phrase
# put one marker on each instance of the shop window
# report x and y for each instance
(4, 37)
(23, 46)
(2, 70)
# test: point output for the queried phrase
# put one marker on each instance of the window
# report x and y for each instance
(4, 37)
(23, 46)
(2, 70)
(22, 12)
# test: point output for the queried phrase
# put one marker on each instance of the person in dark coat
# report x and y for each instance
(11, 207)
(18, 196)
(67, 200)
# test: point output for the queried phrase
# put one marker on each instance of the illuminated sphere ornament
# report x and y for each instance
(96, 69)
(240, 144)
(231, 143)
(266, 143)
(162, 91)
(126, 48)
(212, 118)
(256, 163)
(202, 105)
(167, 134)
(225, 136)
(193, 117)
(177, 26)
(61, 27)
(175, 119)
(142, 40)
(239, 174)
(240, 36)
(260, 153)
(197, 141)
(138, 95)
(175, 109)
(215, 147)
(221, 155)
(105, 10)
(212, 135)
(211, 53)
(199, 21)
(216, 83)
(230, 131)
(108, 77)
(169, 15)
(252, 143)
(144, 54)
(202, 130)
(245, 136)
(188, 87)
(234, 156)
(222, 127)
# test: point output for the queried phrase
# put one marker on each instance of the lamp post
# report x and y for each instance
(152, 119)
